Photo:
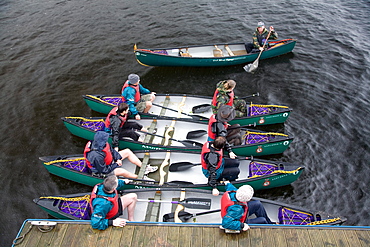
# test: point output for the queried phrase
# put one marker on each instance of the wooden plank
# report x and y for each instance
(59, 233)
(231, 239)
(196, 236)
(364, 237)
(89, 234)
(151, 233)
(256, 237)
(115, 237)
(70, 235)
(315, 237)
(161, 237)
(208, 237)
(29, 236)
(328, 237)
(351, 237)
(297, 237)
(222, 237)
(185, 237)
(173, 236)
(340, 238)
(46, 239)
(244, 239)
(103, 237)
(127, 233)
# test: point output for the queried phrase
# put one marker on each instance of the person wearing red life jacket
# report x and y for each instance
(101, 158)
(236, 206)
(218, 126)
(117, 125)
(215, 167)
(224, 95)
(138, 98)
(106, 204)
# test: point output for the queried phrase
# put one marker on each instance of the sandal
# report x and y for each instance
(150, 169)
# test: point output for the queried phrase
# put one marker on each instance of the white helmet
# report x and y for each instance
(244, 193)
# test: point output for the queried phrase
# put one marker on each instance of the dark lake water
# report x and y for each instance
(52, 52)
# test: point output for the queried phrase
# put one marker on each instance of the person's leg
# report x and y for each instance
(256, 207)
(124, 173)
(148, 105)
(127, 153)
(129, 201)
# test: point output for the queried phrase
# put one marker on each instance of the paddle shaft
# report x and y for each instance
(167, 108)
(181, 141)
(264, 44)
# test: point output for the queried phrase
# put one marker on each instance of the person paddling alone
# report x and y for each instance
(259, 38)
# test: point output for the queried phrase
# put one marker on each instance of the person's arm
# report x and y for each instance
(100, 209)
(115, 123)
(273, 34)
(232, 218)
(230, 187)
(143, 90)
(97, 161)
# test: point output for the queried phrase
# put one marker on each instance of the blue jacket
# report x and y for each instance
(129, 94)
(101, 207)
(234, 212)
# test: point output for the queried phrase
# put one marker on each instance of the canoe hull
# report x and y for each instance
(277, 146)
(148, 58)
(104, 104)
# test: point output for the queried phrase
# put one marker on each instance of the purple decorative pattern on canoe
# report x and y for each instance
(93, 125)
(288, 216)
(113, 100)
(163, 52)
(255, 110)
(260, 169)
(78, 165)
(79, 209)
(252, 138)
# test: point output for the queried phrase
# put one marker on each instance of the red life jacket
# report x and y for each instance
(108, 154)
(114, 200)
(137, 89)
(227, 202)
(212, 120)
(114, 112)
(231, 99)
(206, 149)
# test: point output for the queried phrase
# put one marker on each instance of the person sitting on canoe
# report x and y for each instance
(224, 95)
(116, 124)
(215, 167)
(236, 206)
(106, 204)
(136, 96)
(101, 158)
(217, 126)
(259, 38)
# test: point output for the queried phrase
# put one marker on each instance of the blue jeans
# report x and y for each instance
(256, 207)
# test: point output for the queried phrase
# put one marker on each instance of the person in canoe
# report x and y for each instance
(218, 126)
(215, 167)
(101, 158)
(224, 95)
(236, 206)
(107, 206)
(136, 96)
(259, 38)
(116, 124)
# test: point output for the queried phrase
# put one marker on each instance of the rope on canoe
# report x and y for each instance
(81, 198)
(267, 133)
(321, 222)
(60, 161)
(277, 106)
(278, 171)
(99, 99)
(86, 119)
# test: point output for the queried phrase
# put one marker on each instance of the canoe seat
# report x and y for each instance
(185, 54)
(217, 52)
(289, 216)
(240, 53)
(231, 53)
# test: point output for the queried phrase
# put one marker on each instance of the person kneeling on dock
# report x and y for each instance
(117, 125)
(107, 206)
(236, 206)
(101, 158)
(215, 167)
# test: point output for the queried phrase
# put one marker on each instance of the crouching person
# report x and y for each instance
(236, 206)
(106, 204)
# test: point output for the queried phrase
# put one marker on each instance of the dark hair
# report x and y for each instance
(110, 183)
(122, 107)
(219, 142)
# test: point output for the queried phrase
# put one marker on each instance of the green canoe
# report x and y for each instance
(180, 169)
(173, 134)
(194, 107)
(209, 55)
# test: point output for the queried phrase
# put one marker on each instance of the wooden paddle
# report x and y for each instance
(185, 216)
(186, 143)
(253, 66)
(195, 117)
(197, 203)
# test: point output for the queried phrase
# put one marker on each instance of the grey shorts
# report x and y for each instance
(141, 105)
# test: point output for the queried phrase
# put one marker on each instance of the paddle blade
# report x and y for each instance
(201, 108)
(192, 144)
(183, 216)
(181, 166)
(195, 134)
(199, 203)
(251, 67)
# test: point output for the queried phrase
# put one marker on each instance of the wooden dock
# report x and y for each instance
(80, 233)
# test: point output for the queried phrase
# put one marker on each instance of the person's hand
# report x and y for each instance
(119, 162)
(153, 93)
(119, 222)
(232, 155)
(215, 192)
(226, 182)
(261, 48)
(127, 180)
(144, 129)
(116, 148)
(272, 28)
(137, 117)
(246, 227)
